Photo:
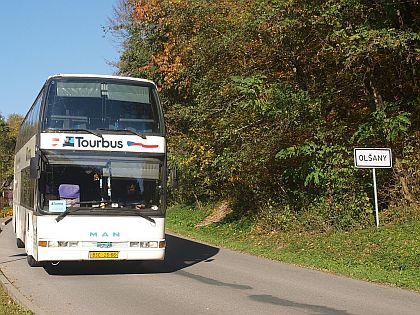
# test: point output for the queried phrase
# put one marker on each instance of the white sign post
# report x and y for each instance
(373, 158)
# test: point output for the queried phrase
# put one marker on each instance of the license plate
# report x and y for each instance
(103, 255)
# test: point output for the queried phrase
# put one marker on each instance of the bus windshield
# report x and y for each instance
(102, 104)
(114, 184)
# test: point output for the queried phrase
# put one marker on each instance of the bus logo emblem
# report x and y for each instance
(104, 234)
(68, 142)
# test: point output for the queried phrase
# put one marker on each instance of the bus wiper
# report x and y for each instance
(68, 210)
(134, 132)
(77, 129)
(137, 210)
(75, 209)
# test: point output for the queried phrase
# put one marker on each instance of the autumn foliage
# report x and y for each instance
(9, 129)
(266, 99)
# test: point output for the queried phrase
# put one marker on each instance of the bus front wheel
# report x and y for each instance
(20, 243)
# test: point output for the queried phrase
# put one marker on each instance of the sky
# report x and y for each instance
(39, 38)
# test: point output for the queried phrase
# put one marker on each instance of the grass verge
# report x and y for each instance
(389, 254)
(9, 307)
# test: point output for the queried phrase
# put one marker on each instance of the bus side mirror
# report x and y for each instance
(34, 168)
(173, 177)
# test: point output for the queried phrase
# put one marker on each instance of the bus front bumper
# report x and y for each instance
(77, 251)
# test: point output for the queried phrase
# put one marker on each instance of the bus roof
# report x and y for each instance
(100, 76)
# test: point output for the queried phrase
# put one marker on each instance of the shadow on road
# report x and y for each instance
(19, 257)
(180, 253)
(310, 308)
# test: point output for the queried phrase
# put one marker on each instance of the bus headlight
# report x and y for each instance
(58, 244)
(148, 244)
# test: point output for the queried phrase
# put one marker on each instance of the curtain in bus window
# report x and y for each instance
(27, 189)
(128, 93)
(135, 170)
(73, 89)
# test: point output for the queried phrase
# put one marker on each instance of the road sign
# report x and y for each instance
(372, 158)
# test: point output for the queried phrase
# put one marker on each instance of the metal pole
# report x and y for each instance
(1, 183)
(375, 193)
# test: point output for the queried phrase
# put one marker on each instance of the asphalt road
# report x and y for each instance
(194, 279)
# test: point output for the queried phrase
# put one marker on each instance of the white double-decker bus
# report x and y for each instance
(90, 171)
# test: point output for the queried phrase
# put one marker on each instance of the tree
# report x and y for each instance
(9, 130)
(265, 99)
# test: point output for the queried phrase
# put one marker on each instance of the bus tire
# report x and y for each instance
(32, 262)
(20, 243)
